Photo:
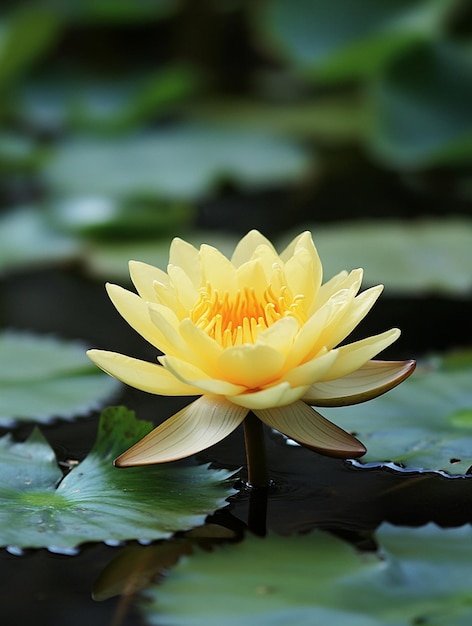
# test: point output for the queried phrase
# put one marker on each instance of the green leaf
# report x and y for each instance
(184, 162)
(42, 378)
(27, 240)
(420, 108)
(424, 423)
(110, 260)
(421, 576)
(338, 39)
(24, 36)
(427, 255)
(96, 501)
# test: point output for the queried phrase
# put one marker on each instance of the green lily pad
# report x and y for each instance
(320, 580)
(96, 501)
(42, 378)
(338, 39)
(110, 260)
(431, 255)
(420, 108)
(426, 422)
(183, 162)
(27, 240)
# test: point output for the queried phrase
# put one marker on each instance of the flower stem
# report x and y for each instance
(257, 472)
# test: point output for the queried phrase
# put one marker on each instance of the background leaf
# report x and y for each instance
(420, 107)
(421, 577)
(183, 162)
(27, 240)
(424, 422)
(96, 501)
(339, 39)
(42, 378)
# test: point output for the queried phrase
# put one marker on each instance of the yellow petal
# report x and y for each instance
(250, 365)
(217, 270)
(303, 276)
(371, 380)
(354, 355)
(187, 257)
(302, 247)
(252, 273)
(196, 377)
(135, 311)
(143, 277)
(281, 335)
(204, 347)
(350, 317)
(306, 344)
(187, 293)
(311, 371)
(341, 281)
(277, 395)
(303, 424)
(149, 377)
(166, 331)
(247, 246)
(196, 427)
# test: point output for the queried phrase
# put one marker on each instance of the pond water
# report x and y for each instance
(309, 491)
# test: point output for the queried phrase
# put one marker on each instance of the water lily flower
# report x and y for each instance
(254, 335)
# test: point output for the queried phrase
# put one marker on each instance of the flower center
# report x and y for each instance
(238, 318)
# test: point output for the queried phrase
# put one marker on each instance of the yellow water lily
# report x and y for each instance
(256, 334)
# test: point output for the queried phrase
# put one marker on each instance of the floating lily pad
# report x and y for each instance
(110, 260)
(184, 162)
(96, 501)
(431, 255)
(43, 377)
(426, 422)
(27, 240)
(421, 576)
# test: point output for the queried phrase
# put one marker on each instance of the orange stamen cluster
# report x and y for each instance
(235, 319)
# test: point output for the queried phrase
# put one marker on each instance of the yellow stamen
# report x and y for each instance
(236, 319)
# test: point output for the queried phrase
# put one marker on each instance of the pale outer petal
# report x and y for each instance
(196, 427)
(369, 381)
(142, 375)
(354, 355)
(303, 424)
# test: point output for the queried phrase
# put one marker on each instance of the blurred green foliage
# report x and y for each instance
(165, 100)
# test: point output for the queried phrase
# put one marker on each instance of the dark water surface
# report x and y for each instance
(309, 491)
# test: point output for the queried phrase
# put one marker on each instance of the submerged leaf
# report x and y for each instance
(96, 501)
